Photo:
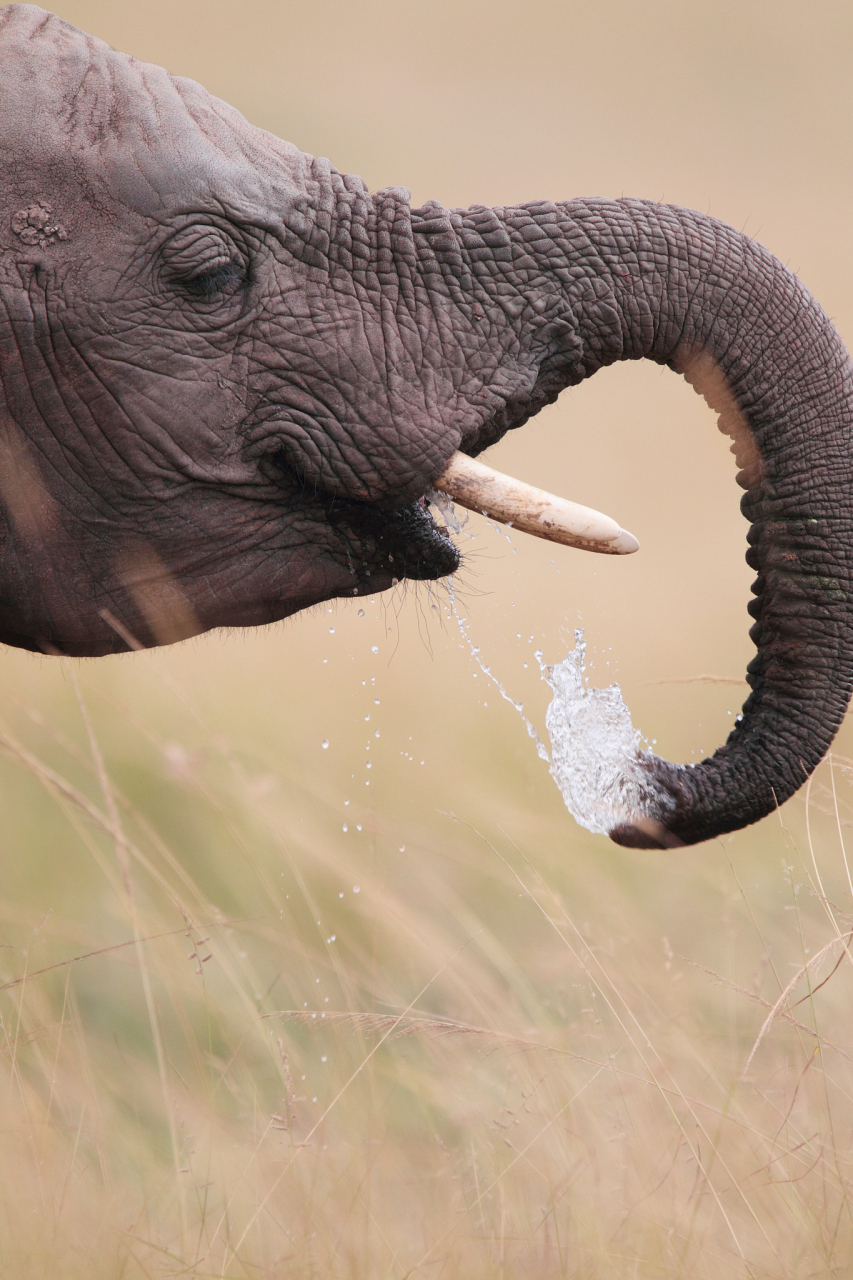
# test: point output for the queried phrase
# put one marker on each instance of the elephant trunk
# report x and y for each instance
(577, 286)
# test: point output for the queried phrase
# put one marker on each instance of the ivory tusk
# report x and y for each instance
(474, 485)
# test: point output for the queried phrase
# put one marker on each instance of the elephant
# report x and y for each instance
(231, 377)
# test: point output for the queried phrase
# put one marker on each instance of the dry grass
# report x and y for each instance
(494, 1059)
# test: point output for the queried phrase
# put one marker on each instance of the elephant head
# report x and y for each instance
(229, 376)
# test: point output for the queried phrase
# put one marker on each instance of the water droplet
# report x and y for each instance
(356, 888)
(325, 744)
(346, 802)
(376, 701)
(367, 717)
(331, 631)
(323, 1059)
(402, 848)
(344, 827)
(376, 734)
(360, 613)
(358, 826)
(340, 895)
(368, 765)
(374, 648)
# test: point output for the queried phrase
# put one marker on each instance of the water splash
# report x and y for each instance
(597, 757)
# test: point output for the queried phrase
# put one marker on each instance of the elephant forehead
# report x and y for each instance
(122, 130)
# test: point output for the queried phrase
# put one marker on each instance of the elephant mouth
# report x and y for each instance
(391, 543)
(379, 542)
(406, 542)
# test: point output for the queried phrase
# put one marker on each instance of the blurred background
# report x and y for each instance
(347, 812)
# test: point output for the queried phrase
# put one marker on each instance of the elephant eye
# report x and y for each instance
(216, 280)
(205, 263)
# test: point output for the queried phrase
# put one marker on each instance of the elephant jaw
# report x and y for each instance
(472, 484)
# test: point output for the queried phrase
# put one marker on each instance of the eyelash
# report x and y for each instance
(222, 278)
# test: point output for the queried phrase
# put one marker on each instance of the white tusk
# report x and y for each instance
(479, 488)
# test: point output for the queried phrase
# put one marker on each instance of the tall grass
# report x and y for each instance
(239, 1041)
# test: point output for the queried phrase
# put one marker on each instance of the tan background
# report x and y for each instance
(743, 110)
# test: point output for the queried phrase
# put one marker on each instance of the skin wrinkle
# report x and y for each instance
(81, 352)
(379, 376)
(48, 458)
(56, 382)
(130, 434)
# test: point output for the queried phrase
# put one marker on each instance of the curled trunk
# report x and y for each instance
(573, 287)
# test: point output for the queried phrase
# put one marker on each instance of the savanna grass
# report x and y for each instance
(237, 1041)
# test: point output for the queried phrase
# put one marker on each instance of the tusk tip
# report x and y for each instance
(625, 544)
(474, 485)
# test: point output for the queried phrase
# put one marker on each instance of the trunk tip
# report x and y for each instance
(645, 833)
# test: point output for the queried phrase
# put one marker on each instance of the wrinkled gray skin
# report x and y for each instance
(229, 375)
